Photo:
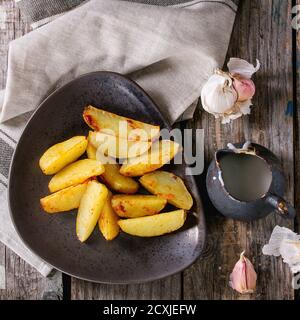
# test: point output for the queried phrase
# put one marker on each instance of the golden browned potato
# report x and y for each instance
(154, 226)
(62, 154)
(64, 200)
(111, 176)
(75, 173)
(108, 221)
(122, 127)
(168, 186)
(160, 153)
(90, 208)
(91, 151)
(137, 205)
(117, 147)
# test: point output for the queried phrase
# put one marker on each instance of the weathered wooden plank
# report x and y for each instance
(268, 125)
(5, 13)
(297, 124)
(2, 267)
(262, 31)
(24, 282)
(166, 289)
(21, 280)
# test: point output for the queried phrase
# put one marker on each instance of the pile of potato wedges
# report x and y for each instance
(98, 174)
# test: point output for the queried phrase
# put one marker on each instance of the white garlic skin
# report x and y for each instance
(227, 95)
(242, 67)
(243, 277)
(279, 234)
(218, 94)
(285, 243)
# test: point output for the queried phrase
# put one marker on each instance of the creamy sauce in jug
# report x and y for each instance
(246, 177)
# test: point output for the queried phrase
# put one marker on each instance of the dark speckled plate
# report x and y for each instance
(127, 259)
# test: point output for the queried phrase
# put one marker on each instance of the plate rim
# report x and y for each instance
(198, 200)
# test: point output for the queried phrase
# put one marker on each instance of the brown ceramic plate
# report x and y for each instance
(52, 237)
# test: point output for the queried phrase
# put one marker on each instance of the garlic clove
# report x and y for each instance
(218, 94)
(243, 277)
(245, 88)
(242, 67)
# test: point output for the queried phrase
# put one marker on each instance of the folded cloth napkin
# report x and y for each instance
(39, 12)
(9, 135)
(179, 46)
(169, 50)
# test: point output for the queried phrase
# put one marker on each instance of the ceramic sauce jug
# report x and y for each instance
(245, 182)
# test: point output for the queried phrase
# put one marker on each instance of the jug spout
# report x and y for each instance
(246, 148)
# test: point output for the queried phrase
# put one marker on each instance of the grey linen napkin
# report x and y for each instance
(169, 50)
(39, 12)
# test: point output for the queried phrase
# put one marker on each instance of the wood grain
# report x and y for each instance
(262, 31)
(297, 124)
(21, 280)
(166, 289)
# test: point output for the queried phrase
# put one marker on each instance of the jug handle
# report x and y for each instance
(282, 207)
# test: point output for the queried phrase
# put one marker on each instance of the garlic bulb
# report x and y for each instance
(285, 243)
(227, 95)
(218, 95)
(243, 277)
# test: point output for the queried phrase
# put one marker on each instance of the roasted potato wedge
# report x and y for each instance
(75, 173)
(160, 153)
(117, 147)
(122, 127)
(154, 226)
(113, 179)
(62, 154)
(65, 199)
(90, 208)
(108, 221)
(137, 205)
(168, 186)
(91, 151)
(111, 176)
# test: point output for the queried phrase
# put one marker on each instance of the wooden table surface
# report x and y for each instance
(262, 31)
